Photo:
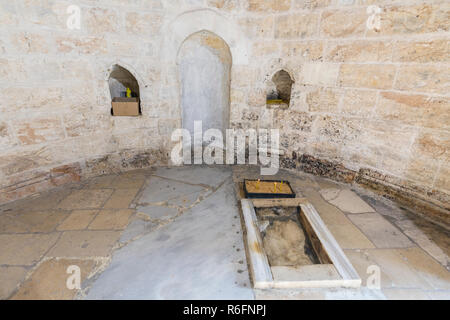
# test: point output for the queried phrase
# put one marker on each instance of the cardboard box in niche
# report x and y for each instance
(125, 106)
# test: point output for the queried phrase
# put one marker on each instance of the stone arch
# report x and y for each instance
(272, 89)
(179, 29)
(194, 21)
(121, 78)
(281, 87)
(128, 67)
(106, 70)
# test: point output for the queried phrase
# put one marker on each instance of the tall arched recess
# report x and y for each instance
(204, 65)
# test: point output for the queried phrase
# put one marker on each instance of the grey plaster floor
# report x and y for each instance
(198, 255)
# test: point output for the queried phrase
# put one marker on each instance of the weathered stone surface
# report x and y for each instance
(349, 236)
(258, 27)
(443, 177)
(6, 136)
(337, 130)
(80, 124)
(77, 220)
(39, 130)
(325, 168)
(380, 231)
(24, 249)
(367, 76)
(423, 78)
(343, 23)
(422, 170)
(157, 212)
(225, 4)
(86, 199)
(325, 100)
(30, 43)
(310, 4)
(49, 280)
(345, 200)
(361, 260)
(296, 26)
(358, 103)
(44, 13)
(414, 109)
(143, 23)
(323, 74)
(428, 268)
(420, 199)
(398, 269)
(17, 100)
(121, 199)
(405, 294)
(358, 51)
(412, 19)
(10, 277)
(100, 20)
(84, 244)
(421, 51)
(111, 220)
(271, 5)
(432, 145)
(86, 45)
(265, 48)
(31, 221)
(303, 50)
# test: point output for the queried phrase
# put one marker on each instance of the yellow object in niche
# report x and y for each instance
(128, 93)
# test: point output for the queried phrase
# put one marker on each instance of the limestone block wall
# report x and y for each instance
(369, 105)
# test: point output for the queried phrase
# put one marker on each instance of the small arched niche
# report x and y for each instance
(120, 81)
(279, 90)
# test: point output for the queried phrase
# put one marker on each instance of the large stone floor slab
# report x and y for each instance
(10, 277)
(49, 280)
(25, 249)
(86, 199)
(84, 244)
(200, 255)
(405, 294)
(399, 271)
(380, 231)
(427, 268)
(346, 200)
(202, 175)
(160, 190)
(31, 221)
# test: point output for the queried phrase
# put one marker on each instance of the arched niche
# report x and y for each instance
(204, 68)
(279, 89)
(120, 80)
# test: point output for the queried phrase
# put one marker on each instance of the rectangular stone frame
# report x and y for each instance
(326, 247)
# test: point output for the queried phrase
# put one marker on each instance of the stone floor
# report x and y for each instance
(176, 233)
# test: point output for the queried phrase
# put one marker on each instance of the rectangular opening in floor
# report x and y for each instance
(289, 246)
(285, 240)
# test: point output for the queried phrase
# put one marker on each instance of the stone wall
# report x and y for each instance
(371, 99)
